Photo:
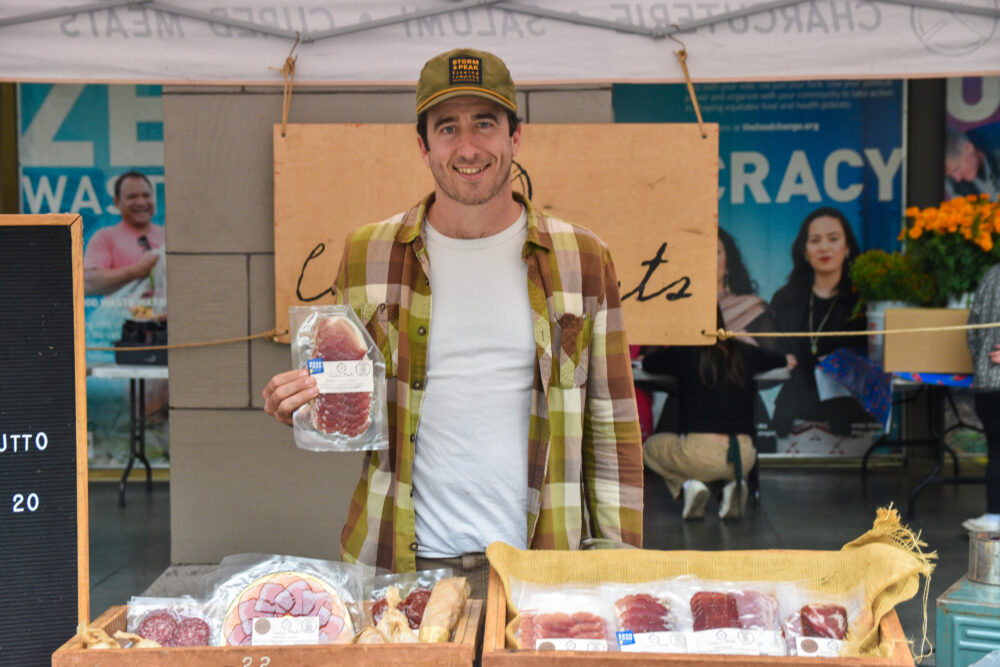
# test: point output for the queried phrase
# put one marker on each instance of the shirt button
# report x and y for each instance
(413, 546)
(422, 331)
(413, 436)
(418, 385)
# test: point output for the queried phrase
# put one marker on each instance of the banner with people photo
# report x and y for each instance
(972, 167)
(97, 151)
(810, 175)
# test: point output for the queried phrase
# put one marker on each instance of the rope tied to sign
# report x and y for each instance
(288, 74)
(271, 335)
(725, 334)
(682, 58)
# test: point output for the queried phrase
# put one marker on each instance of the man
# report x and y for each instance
(511, 405)
(124, 252)
(972, 161)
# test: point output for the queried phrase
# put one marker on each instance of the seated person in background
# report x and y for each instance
(716, 406)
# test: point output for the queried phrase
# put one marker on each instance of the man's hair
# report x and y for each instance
(954, 142)
(512, 120)
(129, 174)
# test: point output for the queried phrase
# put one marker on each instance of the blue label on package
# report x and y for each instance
(315, 366)
(625, 637)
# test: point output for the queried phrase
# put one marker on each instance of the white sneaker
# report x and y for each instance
(981, 524)
(729, 507)
(695, 496)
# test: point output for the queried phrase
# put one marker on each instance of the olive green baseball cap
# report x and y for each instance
(465, 72)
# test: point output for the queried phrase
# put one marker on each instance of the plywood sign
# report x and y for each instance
(648, 190)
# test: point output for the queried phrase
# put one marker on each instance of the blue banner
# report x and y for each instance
(787, 149)
(75, 141)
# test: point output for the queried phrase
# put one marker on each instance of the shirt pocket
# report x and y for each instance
(571, 342)
(382, 323)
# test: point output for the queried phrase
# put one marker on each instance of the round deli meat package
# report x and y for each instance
(350, 413)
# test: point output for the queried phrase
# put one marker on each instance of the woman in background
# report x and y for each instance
(818, 297)
(716, 419)
(984, 344)
(742, 309)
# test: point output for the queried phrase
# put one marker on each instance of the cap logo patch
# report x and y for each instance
(465, 69)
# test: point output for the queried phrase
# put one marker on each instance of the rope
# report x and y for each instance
(288, 74)
(273, 335)
(682, 57)
(725, 334)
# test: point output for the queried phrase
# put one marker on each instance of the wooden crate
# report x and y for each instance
(495, 655)
(462, 651)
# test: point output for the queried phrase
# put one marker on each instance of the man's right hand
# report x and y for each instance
(145, 265)
(287, 392)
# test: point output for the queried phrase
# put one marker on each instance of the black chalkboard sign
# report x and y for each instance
(41, 548)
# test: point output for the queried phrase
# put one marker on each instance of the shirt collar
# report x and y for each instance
(538, 225)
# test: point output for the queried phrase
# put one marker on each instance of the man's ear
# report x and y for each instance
(516, 140)
(423, 150)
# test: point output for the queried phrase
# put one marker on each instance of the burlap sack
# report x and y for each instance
(888, 560)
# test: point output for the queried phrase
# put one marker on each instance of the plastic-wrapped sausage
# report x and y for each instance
(444, 607)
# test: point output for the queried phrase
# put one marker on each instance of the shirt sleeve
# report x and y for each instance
(612, 441)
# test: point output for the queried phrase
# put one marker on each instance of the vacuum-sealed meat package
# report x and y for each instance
(735, 617)
(652, 617)
(569, 617)
(179, 621)
(350, 412)
(317, 601)
(816, 623)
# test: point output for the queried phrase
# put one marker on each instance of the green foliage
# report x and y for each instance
(881, 276)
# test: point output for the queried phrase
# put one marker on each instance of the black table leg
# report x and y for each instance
(133, 425)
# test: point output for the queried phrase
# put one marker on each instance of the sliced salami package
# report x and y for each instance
(180, 621)
(653, 616)
(316, 601)
(567, 617)
(350, 413)
(736, 617)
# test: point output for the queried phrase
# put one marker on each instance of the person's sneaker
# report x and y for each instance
(695, 496)
(981, 523)
(730, 507)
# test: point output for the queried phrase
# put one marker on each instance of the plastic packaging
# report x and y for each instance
(654, 616)
(180, 621)
(350, 413)
(248, 590)
(815, 623)
(414, 589)
(568, 617)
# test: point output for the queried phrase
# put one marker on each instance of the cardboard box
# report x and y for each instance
(495, 655)
(930, 352)
(460, 652)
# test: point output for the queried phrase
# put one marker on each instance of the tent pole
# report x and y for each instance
(66, 11)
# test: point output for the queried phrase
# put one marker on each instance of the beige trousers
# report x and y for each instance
(700, 456)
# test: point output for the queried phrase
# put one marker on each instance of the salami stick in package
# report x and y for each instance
(413, 587)
(350, 412)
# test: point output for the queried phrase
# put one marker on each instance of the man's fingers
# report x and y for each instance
(287, 392)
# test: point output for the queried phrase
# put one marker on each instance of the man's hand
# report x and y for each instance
(995, 354)
(791, 362)
(145, 265)
(287, 392)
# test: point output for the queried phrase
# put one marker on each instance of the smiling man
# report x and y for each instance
(511, 405)
(124, 252)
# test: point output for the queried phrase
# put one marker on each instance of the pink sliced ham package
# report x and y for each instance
(262, 599)
(350, 413)
(569, 617)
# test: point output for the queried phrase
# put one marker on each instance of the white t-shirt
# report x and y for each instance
(470, 470)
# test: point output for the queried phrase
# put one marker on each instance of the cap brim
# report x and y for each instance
(466, 91)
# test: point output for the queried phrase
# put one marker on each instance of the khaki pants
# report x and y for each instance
(474, 567)
(700, 456)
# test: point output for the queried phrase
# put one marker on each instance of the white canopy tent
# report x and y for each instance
(357, 42)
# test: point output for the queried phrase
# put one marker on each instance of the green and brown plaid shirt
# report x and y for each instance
(584, 444)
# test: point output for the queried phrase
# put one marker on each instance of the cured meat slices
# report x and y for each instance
(412, 607)
(643, 613)
(536, 626)
(337, 339)
(168, 628)
(757, 611)
(824, 620)
(287, 594)
(714, 610)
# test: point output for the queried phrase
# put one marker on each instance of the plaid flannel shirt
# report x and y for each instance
(584, 446)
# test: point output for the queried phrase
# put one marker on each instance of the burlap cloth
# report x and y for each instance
(888, 560)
